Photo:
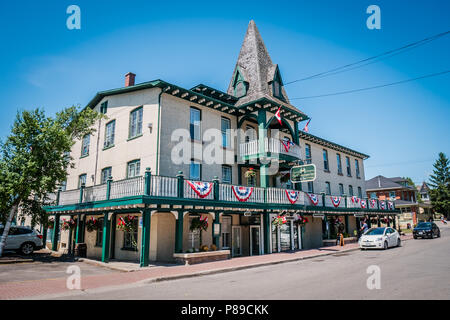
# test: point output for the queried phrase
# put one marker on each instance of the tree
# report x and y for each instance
(34, 160)
(440, 186)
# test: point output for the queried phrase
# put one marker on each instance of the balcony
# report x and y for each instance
(273, 148)
(150, 189)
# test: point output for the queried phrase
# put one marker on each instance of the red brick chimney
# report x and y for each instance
(129, 79)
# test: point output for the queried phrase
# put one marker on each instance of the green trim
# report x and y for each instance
(109, 147)
(85, 156)
(145, 243)
(106, 238)
(135, 137)
(179, 233)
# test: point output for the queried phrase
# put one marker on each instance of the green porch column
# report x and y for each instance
(378, 221)
(346, 223)
(106, 238)
(267, 232)
(79, 232)
(296, 137)
(55, 233)
(393, 222)
(44, 237)
(179, 233)
(262, 134)
(145, 243)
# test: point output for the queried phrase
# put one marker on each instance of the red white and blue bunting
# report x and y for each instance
(336, 201)
(363, 203)
(382, 205)
(390, 205)
(314, 198)
(202, 189)
(292, 196)
(355, 199)
(287, 144)
(242, 193)
(373, 202)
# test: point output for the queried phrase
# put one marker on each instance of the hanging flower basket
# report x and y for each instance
(126, 224)
(68, 224)
(199, 224)
(93, 224)
(301, 221)
(250, 173)
(279, 221)
(51, 223)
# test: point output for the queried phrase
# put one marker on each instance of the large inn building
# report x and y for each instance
(127, 167)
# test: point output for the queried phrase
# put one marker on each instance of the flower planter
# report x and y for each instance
(201, 257)
(332, 242)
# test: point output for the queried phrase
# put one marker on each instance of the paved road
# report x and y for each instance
(417, 270)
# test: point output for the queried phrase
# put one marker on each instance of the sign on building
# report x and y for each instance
(304, 173)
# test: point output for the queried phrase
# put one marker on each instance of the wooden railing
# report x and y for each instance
(272, 145)
(178, 187)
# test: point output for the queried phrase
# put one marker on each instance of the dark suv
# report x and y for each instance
(426, 230)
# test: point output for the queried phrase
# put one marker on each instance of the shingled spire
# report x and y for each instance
(255, 69)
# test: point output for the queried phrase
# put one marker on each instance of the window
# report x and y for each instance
(349, 170)
(104, 107)
(106, 173)
(341, 189)
(308, 154)
(373, 195)
(195, 171)
(392, 195)
(310, 187)
(63, 185)
(251, 181)
(325, 160)
(82, 180)
(195, 124)
(85, 145)
(128, 237)
(109, 134)
(135, 122)
(226, 174)
(276, 89)
(359, 192)
(225, 127)
(240, 88)
(133, 168)
(99, 235)
(357, 168)
(250, 134)
(339, 164)
(350, 191)
(226, 232)
(327, 188)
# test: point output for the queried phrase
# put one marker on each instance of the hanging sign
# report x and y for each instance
(304, 173)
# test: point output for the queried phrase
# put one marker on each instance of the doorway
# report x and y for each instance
(255, 240)
(236, 242)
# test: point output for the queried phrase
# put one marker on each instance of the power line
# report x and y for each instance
(379, 57)
(374, 87)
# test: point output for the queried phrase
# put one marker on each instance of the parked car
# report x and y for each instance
(22, 239)
(426, 230)
(379, 238)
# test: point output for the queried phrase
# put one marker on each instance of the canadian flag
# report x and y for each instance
(306, 127)
(278, 116)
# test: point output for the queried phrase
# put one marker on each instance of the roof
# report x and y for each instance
(380, 182)
(424, 188)
(312, 138)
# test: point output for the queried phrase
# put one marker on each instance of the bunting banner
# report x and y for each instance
(373, 202)
(382, 205)
(390, 205)
(363, 203)
(314, 198)
(355, 199)
(287, 145)
(242, 193)
(292, 196)
(202, 189)
(336, 201)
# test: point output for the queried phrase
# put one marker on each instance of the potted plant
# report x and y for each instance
(68, 224)
(279, 221)
(126, 224)
(93, 224)
(301, 221)
(250, 173)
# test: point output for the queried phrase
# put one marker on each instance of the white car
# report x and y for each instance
(22, 239)
(379, 238)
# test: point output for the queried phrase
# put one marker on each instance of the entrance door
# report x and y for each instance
(236, 246)
(255, 240)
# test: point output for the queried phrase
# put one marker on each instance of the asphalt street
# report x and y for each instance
(419, 269)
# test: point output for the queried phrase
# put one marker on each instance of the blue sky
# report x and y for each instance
(402, 128)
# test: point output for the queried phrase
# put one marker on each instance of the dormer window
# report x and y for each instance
(240, 85)
(276, 89)
(277, 85)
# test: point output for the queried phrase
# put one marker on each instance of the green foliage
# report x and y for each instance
(34, 158)
(440, 185)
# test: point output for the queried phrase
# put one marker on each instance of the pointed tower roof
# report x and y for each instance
(255, 67)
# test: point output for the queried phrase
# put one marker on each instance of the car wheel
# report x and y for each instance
(415, 237)
(385, 245)
(399, 242)
(439, 234)
(27, 248)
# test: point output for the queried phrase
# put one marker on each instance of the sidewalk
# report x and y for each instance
(46, 287)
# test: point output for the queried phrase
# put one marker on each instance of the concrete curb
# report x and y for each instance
(105, 265)
(11, 261)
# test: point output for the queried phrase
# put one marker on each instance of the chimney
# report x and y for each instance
(129, 79)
